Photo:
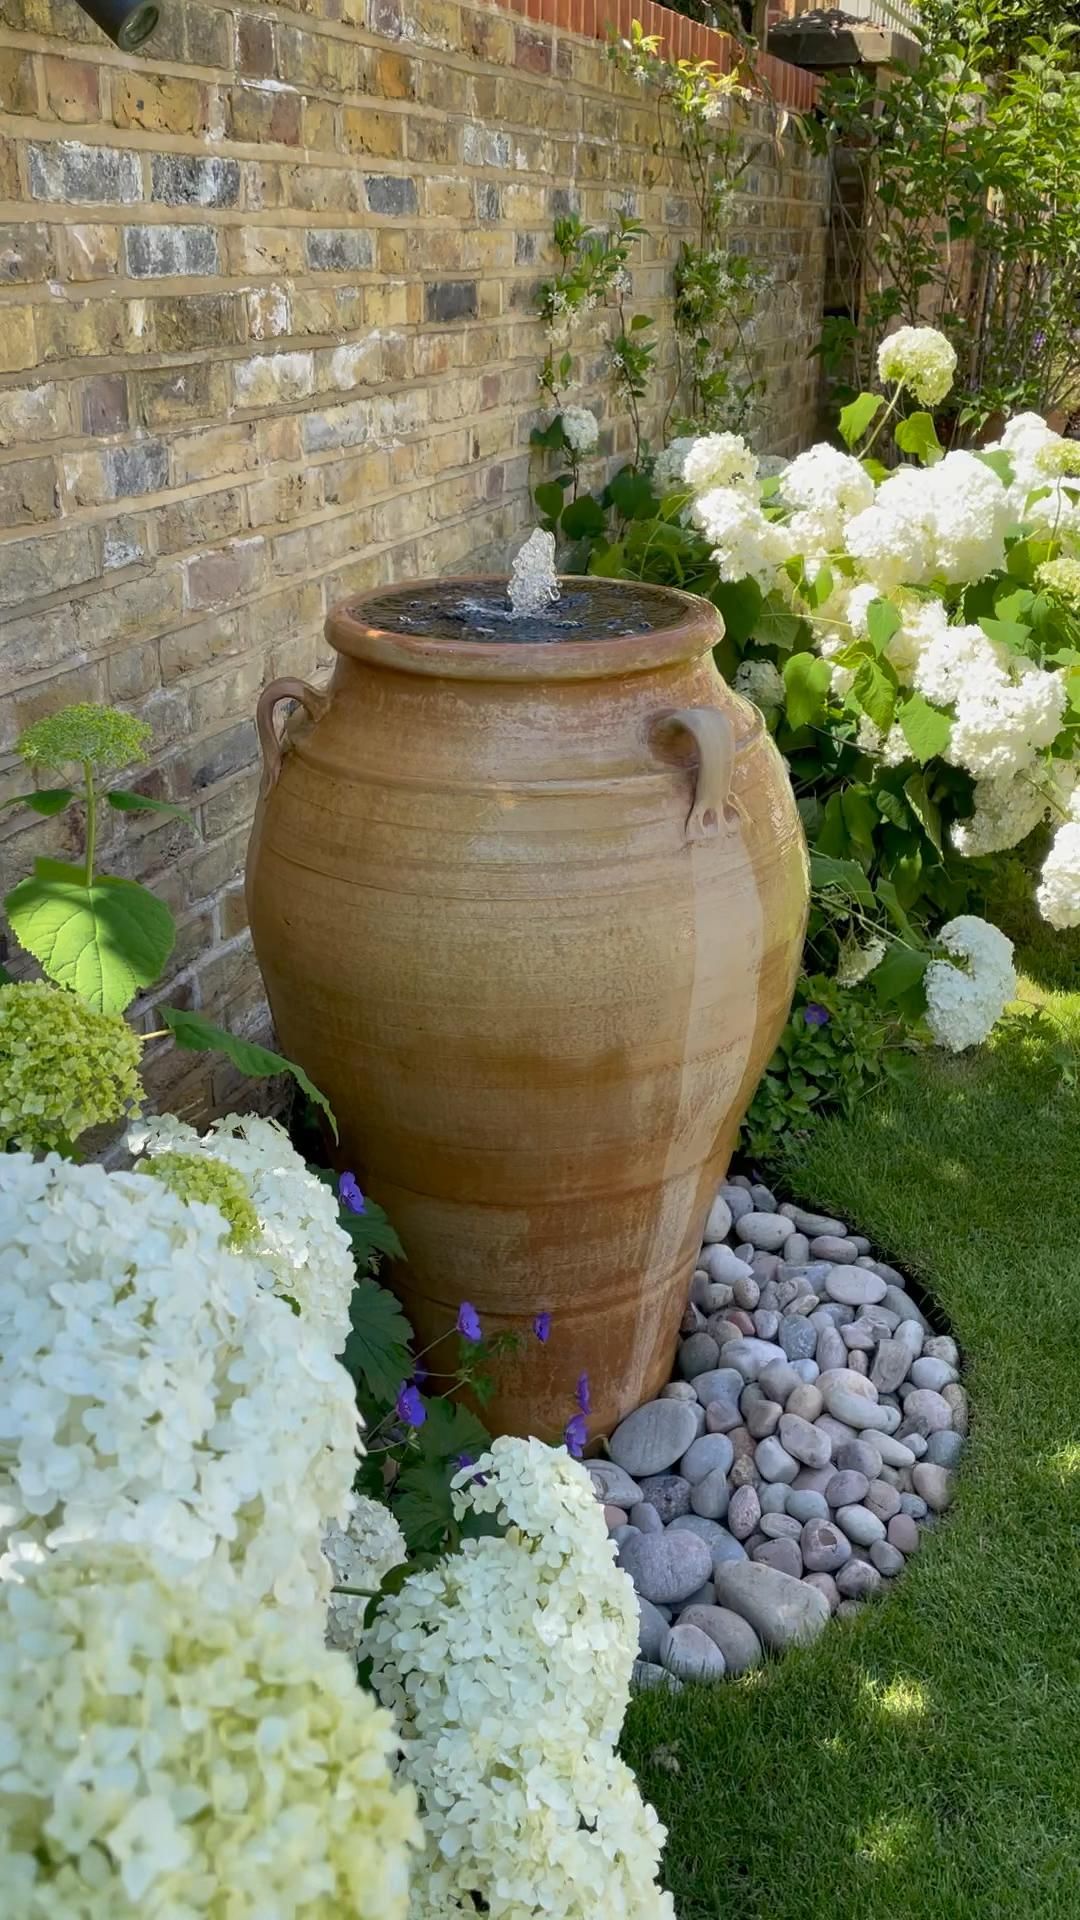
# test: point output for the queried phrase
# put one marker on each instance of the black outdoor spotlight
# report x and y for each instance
(127, 22)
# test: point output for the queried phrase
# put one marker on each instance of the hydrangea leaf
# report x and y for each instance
(740, 604)
(807, 678)
(46, 800)
(377, 1349)
(918, 435)
(902, 968)
(925, 728)
(845, 875)
(998, 462)
(583, 518)
(926, 811)
(104, 941)
(875, 689)
(882, 621)
(632, 495)
(549, 499)
(125, 802)
(190, 1030)
(856, 417)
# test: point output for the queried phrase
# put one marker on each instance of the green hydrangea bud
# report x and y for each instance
(1062, 577)
(63, 1067)
(198, 1176)
(102, 735)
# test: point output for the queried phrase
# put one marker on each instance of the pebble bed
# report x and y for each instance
(806, 1442)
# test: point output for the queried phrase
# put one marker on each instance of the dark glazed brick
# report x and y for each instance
(564, 201)
(451, 300)
(184, 180)
(386, 18)
(254, 47)
(338, 249)
(524, 249)
(143, 468)
(488, 201)
(105, 405)
(391, 193)
(215, 759)
(88, 176)
(532, 51)
(160, 252)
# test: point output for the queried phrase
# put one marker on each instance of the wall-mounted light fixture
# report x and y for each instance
(127, 22)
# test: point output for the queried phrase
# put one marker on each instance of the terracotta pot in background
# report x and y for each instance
(531, 916)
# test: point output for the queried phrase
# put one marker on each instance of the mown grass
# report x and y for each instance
(922, 1762)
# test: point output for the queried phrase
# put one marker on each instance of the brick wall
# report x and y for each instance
(266, 337)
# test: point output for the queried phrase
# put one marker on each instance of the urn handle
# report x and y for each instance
(274, 746)
(709, 733)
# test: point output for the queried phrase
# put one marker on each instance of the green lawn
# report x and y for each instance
(922, 1762)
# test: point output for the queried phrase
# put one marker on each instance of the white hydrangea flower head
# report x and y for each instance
(668, 466)
(1002, 721)
(921, 360)
(1058, 892)
(857, 962)
(825, 488)
(922, 620)
(153, 1393)
(1062, 577)
(964, 1003)
(360, 1554)
(970, 514)
(953, 657)
(759, 681)
(508, 1667)
(303, 1250)
(745, 544)
(891, 539)
(868, 735)
(164, 1759)
(721, 460)
(1006, 811)
(581, 429)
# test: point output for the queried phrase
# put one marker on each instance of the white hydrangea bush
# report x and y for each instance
(881, 568)
(507, 1667)
(361, 1554)
(154, 1393)
(162, 1758)
(303, 1250)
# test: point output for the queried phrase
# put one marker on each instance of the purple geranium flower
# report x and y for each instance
(582, 1395)
(816, 1015)
(542, 1326)
(576, 1435)
(410, 1407)
(350, 1195)
(468, 1322)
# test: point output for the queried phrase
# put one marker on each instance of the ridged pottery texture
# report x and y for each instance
(531, 915)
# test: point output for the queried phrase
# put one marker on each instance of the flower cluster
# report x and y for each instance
(301, 1248)
(581, 430)
(945, 523)
(63, 1067)
(745, 544)
(152, 1392)
(1058, 892)
(102, 737)
(195, 1176)
(360, 1553)
(720, 460)
(160, 1757)
(921, 360)
(508, 1666)
(963, 1003)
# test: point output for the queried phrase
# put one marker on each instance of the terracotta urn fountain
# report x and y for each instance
(528, 894)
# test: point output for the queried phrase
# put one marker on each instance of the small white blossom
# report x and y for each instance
(963, 1004)
(919, 359)
(668, 466)
(856, 962)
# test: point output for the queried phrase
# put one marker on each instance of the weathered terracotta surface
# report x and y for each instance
(509, 922)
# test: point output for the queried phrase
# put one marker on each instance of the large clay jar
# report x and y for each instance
(530, 915)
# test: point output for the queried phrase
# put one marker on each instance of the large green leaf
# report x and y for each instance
(926, 811)
(46, 800)
(998, 462)
(451, 1430)
(422, 1506)
(902, 968)
(125, 802)
(875, 689)
(918, 435)
(855, 418)
(846, 876)
(549, 498)
(807, 678)
(190, 1030)
(377, 1349)
(583, 518)
(882, 621)
(104, 941)
(925, 728)
(739, 602)
(632, 495)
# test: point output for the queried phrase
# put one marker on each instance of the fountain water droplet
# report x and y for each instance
(533, 582)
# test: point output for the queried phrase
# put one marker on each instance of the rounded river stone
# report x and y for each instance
(653, 1437)
(734, 1636)
(666, 1567)
(690, 1654)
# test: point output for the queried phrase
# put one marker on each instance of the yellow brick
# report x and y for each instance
(18, 347)
(319, 125)
(159, 103)
(89, 252)
(395, 76)
(363, 130)
(448, 198)
(213, 451)
(251, 249)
